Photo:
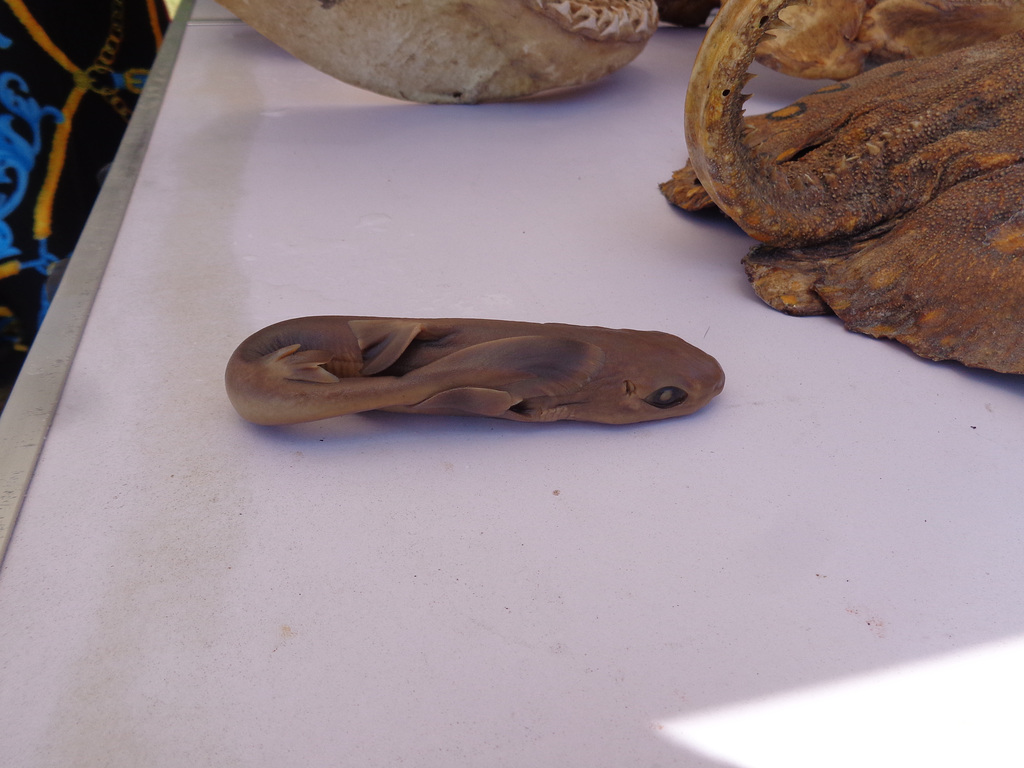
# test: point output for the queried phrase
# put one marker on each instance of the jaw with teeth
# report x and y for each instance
(457, 51)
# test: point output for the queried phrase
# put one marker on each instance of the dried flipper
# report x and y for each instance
(892, 199)
(962, 302)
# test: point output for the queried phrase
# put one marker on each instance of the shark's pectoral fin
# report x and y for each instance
(383, 341)
(293, 365)
(476, 401)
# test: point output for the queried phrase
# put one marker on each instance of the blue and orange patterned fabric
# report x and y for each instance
(70, 76)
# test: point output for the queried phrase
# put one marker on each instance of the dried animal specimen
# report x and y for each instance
(911, 29)
(893, 198)
(457, 51)
(838, 39)
(317, 367)
(818, 40)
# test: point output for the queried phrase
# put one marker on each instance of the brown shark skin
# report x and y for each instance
(892, 199)
(313, 368)
(837, 39)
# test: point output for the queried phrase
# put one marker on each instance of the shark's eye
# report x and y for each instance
(666, 397)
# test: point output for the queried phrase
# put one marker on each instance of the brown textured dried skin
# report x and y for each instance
(910, 172)
(947, 280)
(786, 279)
(685, 191)
(838, 39)
(905, 29)
(821, 41)
(853, 155)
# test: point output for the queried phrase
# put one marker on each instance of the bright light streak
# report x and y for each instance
(962, 710)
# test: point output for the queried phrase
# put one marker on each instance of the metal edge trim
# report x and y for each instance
(29, 411)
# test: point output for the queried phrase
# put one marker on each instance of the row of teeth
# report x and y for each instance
(626, 20)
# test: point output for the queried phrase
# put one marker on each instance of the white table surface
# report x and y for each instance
(840, 534)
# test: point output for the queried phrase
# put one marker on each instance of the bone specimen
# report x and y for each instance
(317, 367)
(456, 51)
(892, 199)
(838, 39)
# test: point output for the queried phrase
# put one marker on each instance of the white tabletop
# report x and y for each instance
(819, 567)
